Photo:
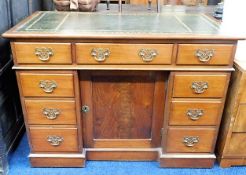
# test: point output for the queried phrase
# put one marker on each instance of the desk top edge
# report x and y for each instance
(16, 33)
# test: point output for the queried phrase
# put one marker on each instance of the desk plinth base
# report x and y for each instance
(229, 162)
(57, 160)
(166, 160)
(187, 160)
(145, 154)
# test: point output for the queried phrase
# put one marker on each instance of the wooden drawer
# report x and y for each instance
(46, 84)
(200, 84)
(42, 53)
(181, 140)
(237, 145)
(50, 111)
(87, 53)
(54, 139)
(195, 112)
(240, 121)
(205, 54)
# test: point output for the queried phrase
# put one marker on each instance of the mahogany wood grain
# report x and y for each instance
(35, 107)
(223, 54)
(123, 102)
(240, 121)
(228, 162)
(25, 53)
(217, 84)
(78, 111)
(127, 67)
(243, 97)
(187, 162)
(123, 143)
(38, 136)
(56, 162)
(122, 155)
(175, 137)
(123, 53)
(30, 84)
(211, 112)
(237, 145)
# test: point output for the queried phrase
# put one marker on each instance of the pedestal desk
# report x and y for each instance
(136, 86)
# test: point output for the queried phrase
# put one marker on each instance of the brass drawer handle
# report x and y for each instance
(190, 141)
(55, 140)
(204, 55)
(147, 55)
(44, 53)
(199, 87)
(100, 54)
(48, 86)
(194, 114)
(51, 114)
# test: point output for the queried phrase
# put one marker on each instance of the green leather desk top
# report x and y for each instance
(114, 25)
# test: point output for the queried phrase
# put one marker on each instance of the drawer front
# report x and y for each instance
(205, 54)
(43, 53)
(50, 111)
(54, 139)
(237, 145)
(124, 53)
(200, 85)
(46, 85)
(189, 140)
(187, 112)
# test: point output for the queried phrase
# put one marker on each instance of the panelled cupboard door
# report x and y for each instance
(122, 109)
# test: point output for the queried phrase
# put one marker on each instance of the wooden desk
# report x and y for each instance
(122, 86)
(231, 143)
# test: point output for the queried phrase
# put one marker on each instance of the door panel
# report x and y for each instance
(126, 108)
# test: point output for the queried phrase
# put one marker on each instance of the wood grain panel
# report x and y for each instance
(223, 54)
(39, 141)
(122, 106)
(25, 53)
(240, 121)
(211, 112)
(30, 84)
(217, 84)
(237, 145)
(125, 104)
(56, 162)
(122, 155)
(124, 53)
(228, 162)
(187, 162)
(35, 107)
(242, 92)
(175, 137)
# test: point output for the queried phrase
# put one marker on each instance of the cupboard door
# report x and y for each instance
(122, 109)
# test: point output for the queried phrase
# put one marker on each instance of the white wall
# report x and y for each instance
(234, 19)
